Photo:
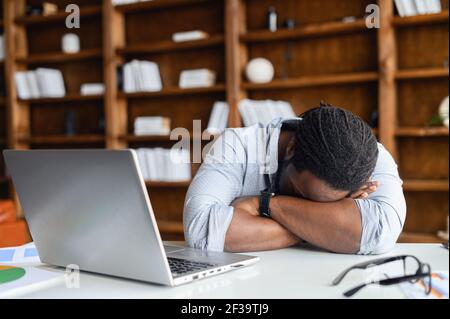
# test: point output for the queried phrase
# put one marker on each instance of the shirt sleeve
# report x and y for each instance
(207, 211)
(383, 213)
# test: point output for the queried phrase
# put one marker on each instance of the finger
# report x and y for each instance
(356, 194)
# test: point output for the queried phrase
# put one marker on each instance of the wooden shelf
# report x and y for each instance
(146, 138)
(156, 4)
(175, 92)
(68, 98)
(441, 17)
(170, 227)
(410, 237)
(422, 131)
(168, 184)
(59, 57)
(423, 73)
(312, 30)
(319, 80)
(170, 46)
(62, 139)
(155, 138)
(426, 185)
(89, 11)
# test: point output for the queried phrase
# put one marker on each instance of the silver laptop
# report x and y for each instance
(91, 208)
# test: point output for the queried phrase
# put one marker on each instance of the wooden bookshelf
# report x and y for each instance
(390, 70)
(423, 19)
(174, 92)
(64, 140)
(85, 11)
(60, 57)
(407, 237)
(154, 5)
(422, 131)
(424, 73)
(73, 97)
(426, 185)
(168, 227)
(313, 30)
(311, 81)
(171, 46)
(168, 184)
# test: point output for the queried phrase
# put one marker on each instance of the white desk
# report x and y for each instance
(289, 273)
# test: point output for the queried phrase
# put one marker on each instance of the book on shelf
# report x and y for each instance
(197, 78)
(92, 89)
(2, 47)
(408, 8)
(264, 111)
(151, 125)
(189, 36)
(164, 165)
(40, 83)
(218, 119)
(141, 76)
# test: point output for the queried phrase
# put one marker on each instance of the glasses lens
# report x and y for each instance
(411, 267)
(426, 281)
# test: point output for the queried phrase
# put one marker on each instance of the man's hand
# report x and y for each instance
(248, 204)
(366, 190)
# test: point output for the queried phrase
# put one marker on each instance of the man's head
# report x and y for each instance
(332, 155)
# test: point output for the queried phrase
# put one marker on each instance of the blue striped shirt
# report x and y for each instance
(235, 167)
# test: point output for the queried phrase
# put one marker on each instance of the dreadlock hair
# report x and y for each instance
(336, 146)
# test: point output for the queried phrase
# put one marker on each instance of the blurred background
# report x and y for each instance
(121, 74)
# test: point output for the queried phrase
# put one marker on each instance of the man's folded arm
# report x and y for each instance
(364, 226)
(210, 220)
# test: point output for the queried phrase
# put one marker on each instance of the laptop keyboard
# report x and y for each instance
(183, 266)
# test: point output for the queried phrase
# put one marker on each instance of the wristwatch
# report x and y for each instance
(264, 202)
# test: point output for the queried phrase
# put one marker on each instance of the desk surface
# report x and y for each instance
(298, 272)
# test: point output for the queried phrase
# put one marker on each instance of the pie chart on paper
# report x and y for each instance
(8, 274)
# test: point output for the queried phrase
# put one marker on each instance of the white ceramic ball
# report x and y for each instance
(70, 43)
(260, 70)
(443, 111)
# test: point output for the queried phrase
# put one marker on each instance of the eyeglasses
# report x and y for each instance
(414, 271)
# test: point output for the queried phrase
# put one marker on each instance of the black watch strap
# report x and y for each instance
(264, 202)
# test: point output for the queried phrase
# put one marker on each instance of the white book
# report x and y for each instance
(219, 118)
(135, 72)
(92, 89)
(410, 8)
(434, 6)
(151, 164)
(60, 90)
(129, 85)
(2, 47)
(160, 171)
(189, 36)
(141, 154)
(197, 78)
(152, 125)
(400, 7)
(51, 82)
(22, 85)
(421, 6)
(33, 84)
(42, 81)
(151, 77)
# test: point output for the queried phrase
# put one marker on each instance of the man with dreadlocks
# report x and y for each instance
(321, 178)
